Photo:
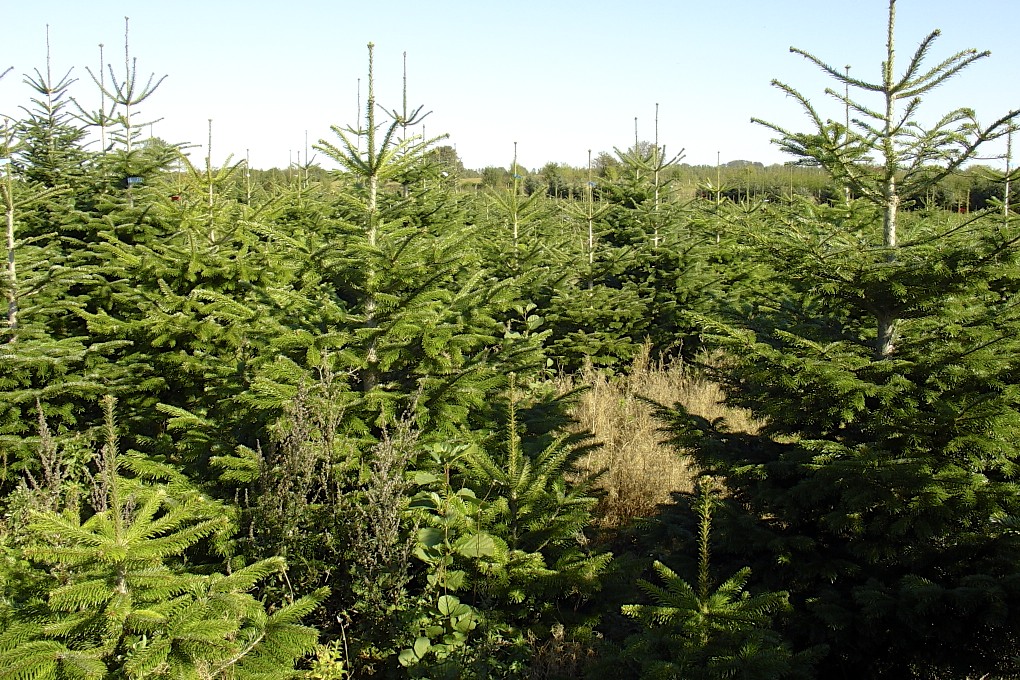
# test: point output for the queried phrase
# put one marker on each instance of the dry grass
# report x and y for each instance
(641, 471)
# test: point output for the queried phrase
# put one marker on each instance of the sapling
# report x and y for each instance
(14, 198)
(711, 633)
(590, 212)
(50, 144)
(122, 599)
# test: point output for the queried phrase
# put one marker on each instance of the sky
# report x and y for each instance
(556, 77)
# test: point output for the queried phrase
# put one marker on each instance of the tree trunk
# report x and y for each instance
(12, 272)
(886, 342)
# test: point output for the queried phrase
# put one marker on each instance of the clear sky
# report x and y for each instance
(556, 76)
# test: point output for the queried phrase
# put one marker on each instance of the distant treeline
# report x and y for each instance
(975, 188)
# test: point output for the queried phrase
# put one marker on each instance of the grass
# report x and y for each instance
(640, 471)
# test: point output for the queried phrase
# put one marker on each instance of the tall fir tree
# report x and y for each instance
(391, 275)
(47, 360)
(883, 364)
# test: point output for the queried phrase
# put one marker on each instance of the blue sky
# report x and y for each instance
(559, 78)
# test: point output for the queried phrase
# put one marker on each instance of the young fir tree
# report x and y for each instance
(51, 151)
(182, 271)
(504, 521)
(118, 218)
(646, 263)
(122, 600)
(677, 268)
(120, 126)
(46, 360)
(519, 243)
(393, 275)
(884, 365)
(386, 322)
(51, 160)
(593, 313)
(695, 631)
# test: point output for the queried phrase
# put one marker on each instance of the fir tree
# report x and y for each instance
(125, 92)
(521, 247)
(46, 359)
(182, 271)
(594, 314)
(51, 152)
(504, 527)
(883, 363)
(910, 158)
(395, 277)
(121, 601)
(693, 631)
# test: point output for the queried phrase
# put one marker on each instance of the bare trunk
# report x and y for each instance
(209, 181)
(370, 376)
(885, 345)
(655, 180)
(590, 198)
(1009, 161)
(12, 272)
(891, 199)
(886, 341)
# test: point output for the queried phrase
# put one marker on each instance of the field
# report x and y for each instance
(407, 419)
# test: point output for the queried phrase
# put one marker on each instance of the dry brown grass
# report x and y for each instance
(641, 471)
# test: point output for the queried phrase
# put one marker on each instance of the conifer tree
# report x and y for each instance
(883, 363)
(594, 314)
(911, 159)
(648, 262)
(182, 271)
(384, 323)
(45, 356)
(51, 151)
(520, 244)
(538, 503)
(504, 523)
(121, 600)
(125, 92)
(394, 276)
(693, 631)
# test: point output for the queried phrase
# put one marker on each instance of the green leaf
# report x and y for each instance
(447, 604)
(430, 537)
(476, 545)
(425, 478)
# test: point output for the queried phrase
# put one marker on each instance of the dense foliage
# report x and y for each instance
(305, 423)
